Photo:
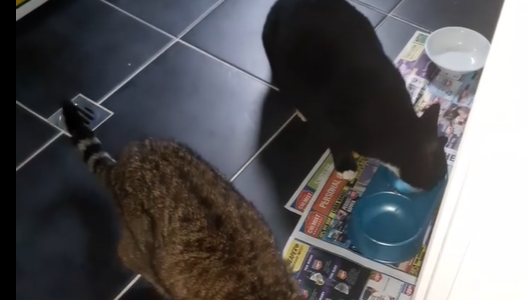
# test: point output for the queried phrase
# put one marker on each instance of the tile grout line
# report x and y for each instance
(228, 65)
(391, 14)
(128, 287)
(137, 71)
(185, 31)
(263, 147)
(29, 110)
(395, 8)
(200, 18)
(138, 19)
(388, 15)
(375, 9)
(46, 144)
(410, 23)
(181, 41)
(42, 148)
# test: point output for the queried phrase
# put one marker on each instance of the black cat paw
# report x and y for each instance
(346, 168)
(347, 175)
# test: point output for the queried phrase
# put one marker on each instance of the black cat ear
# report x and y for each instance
(431, 115)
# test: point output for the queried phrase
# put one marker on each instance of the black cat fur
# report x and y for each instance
(327, 60)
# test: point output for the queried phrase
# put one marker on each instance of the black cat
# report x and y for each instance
(326, 58)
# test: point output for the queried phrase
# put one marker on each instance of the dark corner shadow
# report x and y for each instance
(69, 251)
(285, 163)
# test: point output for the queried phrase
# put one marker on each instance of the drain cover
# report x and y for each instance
(93, 114)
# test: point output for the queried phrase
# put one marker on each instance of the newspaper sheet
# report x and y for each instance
(323, 275)
(325, 201)
(319, 175)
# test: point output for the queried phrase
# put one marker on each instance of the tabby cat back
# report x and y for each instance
(326, 59)
(185, 229)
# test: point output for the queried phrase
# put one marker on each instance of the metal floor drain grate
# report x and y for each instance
(94, 114)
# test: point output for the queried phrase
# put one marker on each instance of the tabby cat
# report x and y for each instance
(185, 229)
(326, 59)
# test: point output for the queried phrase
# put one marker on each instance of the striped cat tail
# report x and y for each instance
(97, 160)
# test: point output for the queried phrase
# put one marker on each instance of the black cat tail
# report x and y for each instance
(97, 160)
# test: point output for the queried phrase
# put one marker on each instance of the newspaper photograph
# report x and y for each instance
(383, 287)
(325, 201)
(318, 175)
(322, 275)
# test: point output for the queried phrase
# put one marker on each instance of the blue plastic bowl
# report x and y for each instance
(400, 186)
(390, 221)
(388, 218)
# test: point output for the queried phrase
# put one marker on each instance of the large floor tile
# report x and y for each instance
(188, 96)
(383, 5)
(481, 16)
(66, 230)
(270, 181)
(31, 134)
(394, 35)
(84, 46)
(233, 32)
(172, 16)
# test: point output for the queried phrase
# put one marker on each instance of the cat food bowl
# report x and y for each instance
(387, 225)
(390, 221)
(457, 50)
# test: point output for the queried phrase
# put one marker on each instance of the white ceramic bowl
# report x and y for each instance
(457, 50)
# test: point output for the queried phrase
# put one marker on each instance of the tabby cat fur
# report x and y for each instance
(326, 59)
(185, 228)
